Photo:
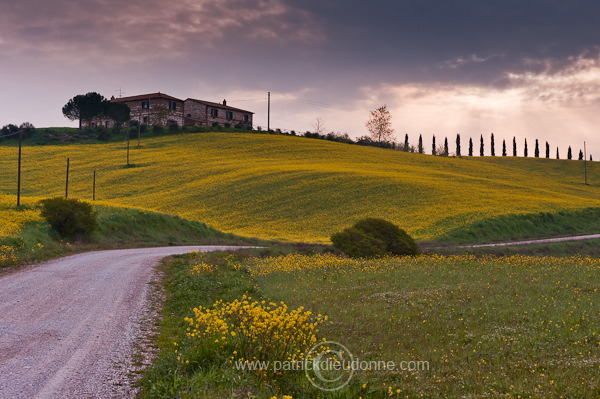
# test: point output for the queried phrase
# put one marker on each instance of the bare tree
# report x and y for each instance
(380, 125)
(319, 126)
(440, 150)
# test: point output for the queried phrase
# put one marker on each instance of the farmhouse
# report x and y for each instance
(160, 109)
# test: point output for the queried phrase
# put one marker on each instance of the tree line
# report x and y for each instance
(382, 134)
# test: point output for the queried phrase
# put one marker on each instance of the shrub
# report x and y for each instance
(373, 237)
(70, 218)
(104, 135)
(358, 244)
(157, 129)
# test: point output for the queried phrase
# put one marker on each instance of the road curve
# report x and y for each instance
(68, 325)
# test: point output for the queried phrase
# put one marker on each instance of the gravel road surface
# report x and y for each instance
(68, 326)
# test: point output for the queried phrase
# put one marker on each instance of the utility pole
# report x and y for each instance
(19, 170)
(127, 146)
(584, 164)
(269, 111)
(67, 179)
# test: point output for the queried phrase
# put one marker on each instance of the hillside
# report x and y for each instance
(290, 188)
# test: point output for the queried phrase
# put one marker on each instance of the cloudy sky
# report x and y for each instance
(524, 68)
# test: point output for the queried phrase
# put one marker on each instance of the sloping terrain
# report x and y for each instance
(291, 188)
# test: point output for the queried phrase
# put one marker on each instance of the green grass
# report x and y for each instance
(516, 327)
(100, 135)
(527, 226)
(117, 228)
(298, 189)
(126, 227)
(590, 247)
(487, 327)
(208, 374)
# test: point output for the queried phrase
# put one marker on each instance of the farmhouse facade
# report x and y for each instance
(159, 109)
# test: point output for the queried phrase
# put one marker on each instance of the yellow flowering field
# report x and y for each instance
(299, 189)
(511, 327)
(13, 219)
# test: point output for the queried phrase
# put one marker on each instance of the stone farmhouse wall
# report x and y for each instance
(163, 110)
(204, 113)
(159, 111)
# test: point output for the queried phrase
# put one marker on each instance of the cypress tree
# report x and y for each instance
(557, 157)
(525, 149)
(458, 145)
(470, 147)
(420, 144)
(481, 146)
(503, 147)
(590, 157)
(493, 146)
(514, 146)
(580, 155)
(406, 142)
(537, 149)
(547, 150)
(446, 146)
(569, 154)
(433, 146)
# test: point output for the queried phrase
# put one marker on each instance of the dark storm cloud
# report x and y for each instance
(334, 46)
(465, 39)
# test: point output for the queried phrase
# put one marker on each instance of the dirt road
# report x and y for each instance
(67, 326)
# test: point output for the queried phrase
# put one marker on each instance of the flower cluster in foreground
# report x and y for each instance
(256, 330)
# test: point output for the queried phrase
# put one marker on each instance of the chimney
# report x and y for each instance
(224, 102)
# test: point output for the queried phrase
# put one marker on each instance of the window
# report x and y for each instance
(214, 112)
(229, 115)
(172, 105)
(145, 120)
(246, 118)
(146, 104)
(107, 124)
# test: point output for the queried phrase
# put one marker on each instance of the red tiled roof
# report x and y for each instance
(218, 105)
(145, 97)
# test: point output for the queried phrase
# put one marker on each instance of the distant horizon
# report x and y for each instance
(427, 150)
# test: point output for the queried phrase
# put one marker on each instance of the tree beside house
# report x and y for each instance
(155, 109)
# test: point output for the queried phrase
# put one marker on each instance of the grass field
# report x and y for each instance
(297, 189)
(488, 327)
(517, 327)
(514, 327)
(25, 237)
